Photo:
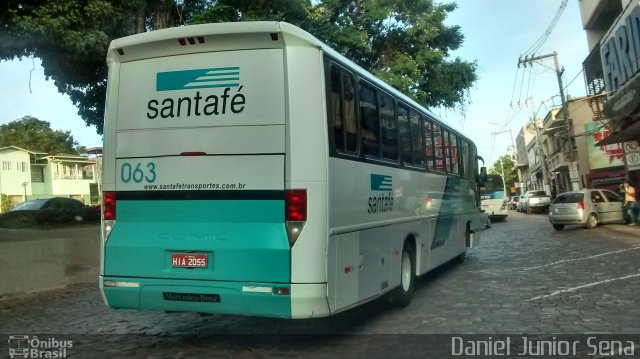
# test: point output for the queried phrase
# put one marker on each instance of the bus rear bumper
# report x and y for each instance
(239, 298)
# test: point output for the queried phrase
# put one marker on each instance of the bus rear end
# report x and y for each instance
(195, 209)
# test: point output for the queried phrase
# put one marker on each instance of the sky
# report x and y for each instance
(497, 33)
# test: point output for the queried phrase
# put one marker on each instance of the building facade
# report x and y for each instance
(612, 75)
(28, 175)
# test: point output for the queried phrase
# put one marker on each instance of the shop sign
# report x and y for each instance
(620, 56)
(632, 153)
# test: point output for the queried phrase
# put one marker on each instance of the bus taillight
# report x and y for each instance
(296, 205)
(109, 206)
(295, 213)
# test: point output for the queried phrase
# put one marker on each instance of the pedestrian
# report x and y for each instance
(630, 203)
(620, 190)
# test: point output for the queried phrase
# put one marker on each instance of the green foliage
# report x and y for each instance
(35, 135)
(404, 42)
(506, 167)
(71, 38)
(5, 203)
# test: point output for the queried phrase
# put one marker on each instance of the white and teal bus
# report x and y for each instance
(494, 200)
(250, 169)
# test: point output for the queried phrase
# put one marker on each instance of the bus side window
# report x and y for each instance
(438, 156)
(416, 139)
(389, 128)
(428, 145)
(336, 108)
(349, 118)
(370, 124)
(464, 158)
(455, 169)
(343, 111)
(405, 135)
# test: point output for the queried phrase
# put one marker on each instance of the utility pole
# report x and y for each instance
(565, 110)
(543, 156)
(512, 155)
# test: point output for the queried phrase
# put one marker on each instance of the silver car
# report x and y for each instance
(587, 207)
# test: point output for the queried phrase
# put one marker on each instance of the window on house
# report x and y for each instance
(6, 166)
(37, 174)
(22, 166)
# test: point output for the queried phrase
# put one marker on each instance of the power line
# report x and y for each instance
(541, 40)
(532, 49)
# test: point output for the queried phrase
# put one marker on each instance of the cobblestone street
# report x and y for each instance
(525, 278)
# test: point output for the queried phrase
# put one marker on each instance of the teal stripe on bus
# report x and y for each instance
(244, 240)
(233, 300)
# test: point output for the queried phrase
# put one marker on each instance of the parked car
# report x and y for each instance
(587, 207)
(485, 219)
(49, 211)
(61, 203)
(513, 202)
(535, 201)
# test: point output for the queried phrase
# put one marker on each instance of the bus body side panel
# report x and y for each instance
(370, 223)
(306, 168)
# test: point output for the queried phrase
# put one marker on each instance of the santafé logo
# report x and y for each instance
(207, 103)
(381, 202)
(198, 79)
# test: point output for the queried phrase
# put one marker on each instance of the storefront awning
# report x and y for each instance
(628, 133)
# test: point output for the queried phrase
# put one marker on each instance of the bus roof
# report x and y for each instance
(290, 32)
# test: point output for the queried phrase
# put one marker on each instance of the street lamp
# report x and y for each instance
(24, 185)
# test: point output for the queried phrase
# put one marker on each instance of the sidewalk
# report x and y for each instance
(76, 232)
(34, 260)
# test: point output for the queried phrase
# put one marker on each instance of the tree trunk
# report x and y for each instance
(139, 21)
(161, 14)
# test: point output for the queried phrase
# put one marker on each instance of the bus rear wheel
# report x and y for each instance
(404, 293)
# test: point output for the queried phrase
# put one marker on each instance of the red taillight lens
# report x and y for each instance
(296, 205)
(581, 205)
(109, 204)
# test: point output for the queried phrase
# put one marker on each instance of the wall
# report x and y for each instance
(66, 187)
(11, 180)
(34, 260)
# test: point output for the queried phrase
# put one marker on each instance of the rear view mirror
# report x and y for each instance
(482, 177)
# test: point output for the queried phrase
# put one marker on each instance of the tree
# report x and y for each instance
(71, 38)
(35, 135)
(403, 42)
(505, 167)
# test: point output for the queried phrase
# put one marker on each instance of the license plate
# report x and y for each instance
(189, 260)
